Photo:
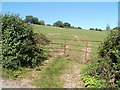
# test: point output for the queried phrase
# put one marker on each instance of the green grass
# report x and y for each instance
(67, 33)
(70, 33)
(49, 77)
(16, 74)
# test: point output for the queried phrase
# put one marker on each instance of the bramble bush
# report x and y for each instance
(18, 45)
(107, 66)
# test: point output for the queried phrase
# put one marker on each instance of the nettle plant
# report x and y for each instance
(18, 45)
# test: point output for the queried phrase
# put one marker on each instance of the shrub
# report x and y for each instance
(92, 82)
(18, 48)
(108, 65)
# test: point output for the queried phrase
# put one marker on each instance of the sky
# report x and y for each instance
(79, 14)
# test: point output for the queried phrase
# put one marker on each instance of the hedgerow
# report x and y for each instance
(18, 44)
(107, 66)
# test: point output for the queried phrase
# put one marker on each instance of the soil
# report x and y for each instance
(18, 83)
(72, 79)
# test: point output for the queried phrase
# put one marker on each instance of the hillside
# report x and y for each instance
(56, 32)
(72, 48)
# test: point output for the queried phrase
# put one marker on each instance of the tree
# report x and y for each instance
(79, 28)
(19, 48)
(66, 24)
(35, 20)
(58, 24)
(29, 19)
(99, 29)
(48, 25)
(96, 29)
(41, 22)
(108, 27)
(91, 28)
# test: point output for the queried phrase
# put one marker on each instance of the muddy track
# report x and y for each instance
(72, 79)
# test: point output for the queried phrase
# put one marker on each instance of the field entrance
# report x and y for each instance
(80, 50)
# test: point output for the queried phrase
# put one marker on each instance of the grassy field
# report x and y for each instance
(78, 34)
(56, 32)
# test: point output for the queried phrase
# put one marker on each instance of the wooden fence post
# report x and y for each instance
(86, 51)
(64, 47)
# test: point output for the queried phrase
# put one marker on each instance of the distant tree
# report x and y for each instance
(99, 29)
(79, 28)
(58, 24)
(75, 27)
(72, 26)
(91, 29)
(48, 25)
(35, 20)
(108, 27)
(96, 29)
(41, 22)
(29, 19)
(66, 24)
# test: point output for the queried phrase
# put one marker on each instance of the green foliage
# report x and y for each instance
(66, 24)
(13, 74)
(18, 48)
(41, 23)
(108, 27)
(58, 24)
(48, 25)
(91, 28)
(50, 75)
(35, 20)
(108, 65)
(41, 39)
(79, 28)
(31, 19)
(96, 29)
(92, 82)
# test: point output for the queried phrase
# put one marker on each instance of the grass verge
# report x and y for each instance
(15, 74)
(49, 77)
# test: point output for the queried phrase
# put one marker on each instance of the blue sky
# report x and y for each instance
(84, 14)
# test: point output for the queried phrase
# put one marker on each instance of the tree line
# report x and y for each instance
(34, 20)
